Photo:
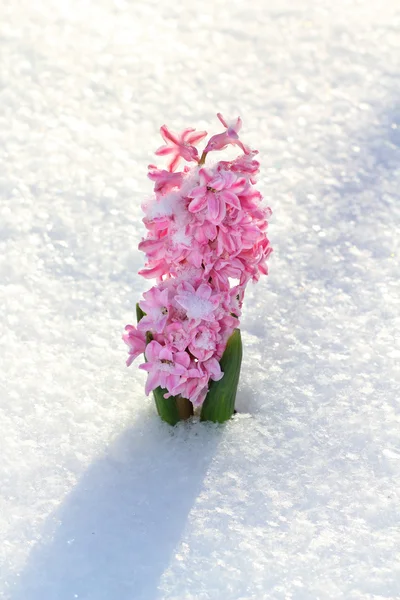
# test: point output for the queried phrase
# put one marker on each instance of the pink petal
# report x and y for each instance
(206, 175)
(146, 366)
(159, 323)
(229, 178)
(162, 297)
(195, 138)
(156, 271)
(153, 350)
(130, 360)
(151, 246)
(197, 204)
(153, 381)
(223, 121)
(174, 162)
(146, 323)
(168, 135)
(216, 209)
(198, 192)
(186, 132)
(163, 150)
(172, 382)
(230, 198)
(245, 149)
(195, 258)
(189, 153)
(232, 133)
(182, 358)
(213, 368)
(210, 230)
(238, 186)
(218, 183)
(204, 291)
(165, 354)
(179, 370)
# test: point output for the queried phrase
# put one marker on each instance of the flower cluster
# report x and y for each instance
(206, 240)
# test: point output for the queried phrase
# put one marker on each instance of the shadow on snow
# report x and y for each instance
(116, 531)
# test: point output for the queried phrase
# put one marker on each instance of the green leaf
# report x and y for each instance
(167, 408)
(219, 404)
(139, 313)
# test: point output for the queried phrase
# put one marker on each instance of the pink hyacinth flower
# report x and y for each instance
(204, 341)
(215, 192)
(164, 180)
(228, 137)
(164, 367)
(136, 340)
(244, 164)
(194, 386)
(180, 146)
(156, 307)
(178, 335)
(199, 304)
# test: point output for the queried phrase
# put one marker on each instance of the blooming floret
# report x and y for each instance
(180, 146)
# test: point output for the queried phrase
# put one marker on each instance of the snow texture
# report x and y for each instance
(297, 498)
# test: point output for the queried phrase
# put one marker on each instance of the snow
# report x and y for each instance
(195, 306)
(180, 237)
(163, 206)
(297, 498)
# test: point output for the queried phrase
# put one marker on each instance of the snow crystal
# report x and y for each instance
(180, 237)
(196, 307)
(164, 206)
(204, 341)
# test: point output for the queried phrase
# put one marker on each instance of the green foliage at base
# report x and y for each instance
(219, 404)
(167, 408)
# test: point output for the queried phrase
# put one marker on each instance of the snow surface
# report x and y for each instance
(299, 496)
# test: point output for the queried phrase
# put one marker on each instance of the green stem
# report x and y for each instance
(203, 158)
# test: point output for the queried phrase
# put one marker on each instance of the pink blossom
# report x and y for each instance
(164, 367)
(244, 165)
(180, 146)
(178, 335)
(157, 270)
(136, 340)
(164, 180)
(193, 387)
(215, 192)
(230, 136)
(156, 306)
(222, 270)
(204, 341)
(199, 304)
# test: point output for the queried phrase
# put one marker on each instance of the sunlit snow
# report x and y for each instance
(297, 498)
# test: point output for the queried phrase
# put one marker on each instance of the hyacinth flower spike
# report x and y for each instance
(206, 239)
